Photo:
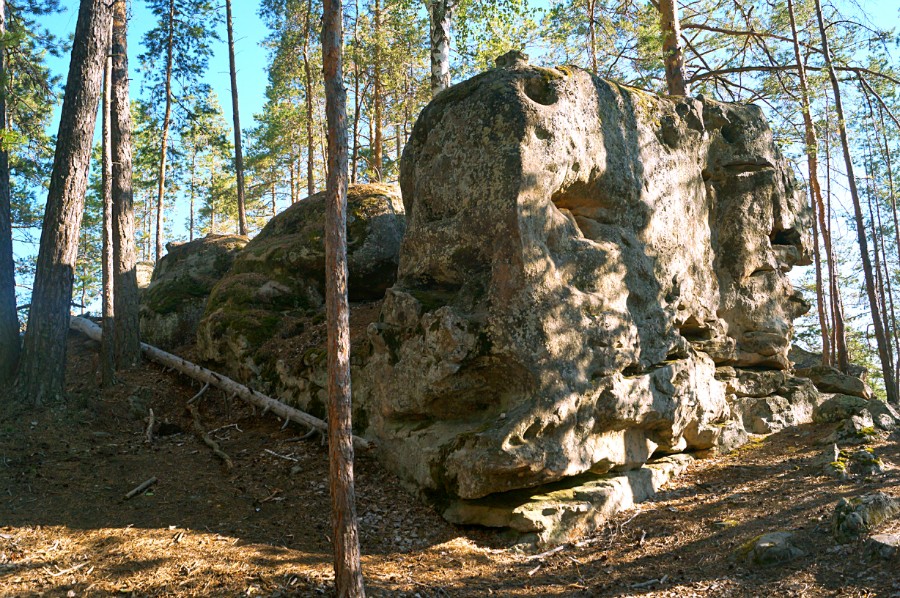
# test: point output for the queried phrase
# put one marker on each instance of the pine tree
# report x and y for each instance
(42, 370)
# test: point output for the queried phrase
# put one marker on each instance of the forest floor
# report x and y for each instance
(262, 529)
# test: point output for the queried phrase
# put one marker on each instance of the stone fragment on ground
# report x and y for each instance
(773, 548)
(567, 510)
(855, 518)
(885, 546)
(844, 464)
(856, 429)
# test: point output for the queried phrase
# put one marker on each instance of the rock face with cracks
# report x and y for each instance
(591, 275)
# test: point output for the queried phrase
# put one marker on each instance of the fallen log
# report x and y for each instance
(245, 393)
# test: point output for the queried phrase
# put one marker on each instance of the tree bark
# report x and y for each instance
(310, 142)
(592, 33)
(127, 300)
(887, 367)
(836, 353)
(167, 118)
(107, 345)
(347, 569)
(673, 53)
(377, 99)
(43, 367)
(10, 344)
(440, 13)
(238, 150)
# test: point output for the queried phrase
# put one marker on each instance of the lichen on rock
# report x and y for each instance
(264, 322)
(175, 299)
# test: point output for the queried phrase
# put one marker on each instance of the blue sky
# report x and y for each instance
(250, 55)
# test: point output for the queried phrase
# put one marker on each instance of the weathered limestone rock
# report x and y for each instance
(792, 404)
(566, 510)
(174, 301)
(844, 464)
(854, 518)
(580, 258)
(829, 379)
(839, 407)
(885, 546)
(265, 320)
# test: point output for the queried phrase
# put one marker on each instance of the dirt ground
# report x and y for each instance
(263, 528)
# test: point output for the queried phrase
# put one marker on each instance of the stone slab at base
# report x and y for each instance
(568, 510)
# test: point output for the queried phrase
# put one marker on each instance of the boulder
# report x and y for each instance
(580, 258)
(839, 407)
(829, 379)
(773, 548)
(856, 517)
(264, 323)
(174, 301)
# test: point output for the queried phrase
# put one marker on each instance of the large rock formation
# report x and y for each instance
(580, 258)
(265, 320)
(174, 301)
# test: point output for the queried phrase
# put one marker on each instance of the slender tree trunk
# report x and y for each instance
(9, 319)
(238, 150)
(592, 33)
(274, 205)
(673, 53)
(293, 183)
(875, 227)
(307, 71)
(128, 331)
(43, 367)
(167, 119)
(107, 343)
(357, 101)
(440, 13)
(193, 192)
(812, 163)
(347, 569)
(890, 312)
(377, 97)
(887, 365)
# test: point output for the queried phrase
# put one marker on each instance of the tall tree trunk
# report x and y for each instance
(307, 71)
(881, 135)
(875, 227)
(887, 367)
(839, 354)
(673, 53)
(292, 168)
(192, 193)
(377, 98)
(357, 101)
(439, 13)
(128, 331)
(167, 120)
(238, 150)
(347, 569)
(107, 342)
(592, 33)
(9, 319)
(43, 368)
